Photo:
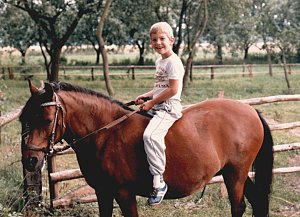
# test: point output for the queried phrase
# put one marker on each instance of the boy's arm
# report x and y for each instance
(165, 95)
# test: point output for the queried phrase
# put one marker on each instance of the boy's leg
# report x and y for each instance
(155, 149)
(154, 141)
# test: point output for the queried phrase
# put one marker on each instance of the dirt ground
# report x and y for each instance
(293, 210)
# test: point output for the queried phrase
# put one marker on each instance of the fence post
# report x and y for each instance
(191, 73)
(32, 191)
(128, 72)
(0, 125)
(53, 187)
(3, 73)
(133, 76)
(250, 70)
(10, 73)
(212, 72)
(63, 68)
(92, 72)
(289, 69)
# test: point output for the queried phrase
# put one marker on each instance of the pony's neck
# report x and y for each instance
(86, 113)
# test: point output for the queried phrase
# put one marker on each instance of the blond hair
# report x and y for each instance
(162, 27)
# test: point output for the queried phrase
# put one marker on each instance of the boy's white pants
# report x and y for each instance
(165, 114)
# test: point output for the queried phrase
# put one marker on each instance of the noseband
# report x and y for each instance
(50, 147)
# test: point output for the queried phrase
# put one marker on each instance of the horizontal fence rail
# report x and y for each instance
(85, 194)
(132, 71)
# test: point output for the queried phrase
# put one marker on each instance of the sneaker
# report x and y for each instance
(157, 195)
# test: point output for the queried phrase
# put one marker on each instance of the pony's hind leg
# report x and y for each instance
(235, 187)
(250, 193)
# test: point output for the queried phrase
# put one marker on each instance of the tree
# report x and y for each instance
(219, 24)
(194, 30)
(243, 30)
(56, 20)
(101, 43)
(19, 31)
(295, 5)
(287, 34)
(179, 33)
(265, 28)
(137, 16)
(85, 33)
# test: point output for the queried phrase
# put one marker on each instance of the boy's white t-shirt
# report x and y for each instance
(169, 68)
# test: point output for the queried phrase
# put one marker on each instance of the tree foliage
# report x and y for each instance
(56, 21)
(230, 23)
(14, 35)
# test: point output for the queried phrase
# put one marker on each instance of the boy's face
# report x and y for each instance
(162, 43)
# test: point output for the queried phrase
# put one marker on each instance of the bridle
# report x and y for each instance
(50, 147)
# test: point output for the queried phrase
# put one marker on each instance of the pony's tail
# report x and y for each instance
(263, 166)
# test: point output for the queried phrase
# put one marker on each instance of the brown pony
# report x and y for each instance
(218, 136)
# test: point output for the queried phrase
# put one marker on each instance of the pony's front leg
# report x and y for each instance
(127, 203)
(105, 203)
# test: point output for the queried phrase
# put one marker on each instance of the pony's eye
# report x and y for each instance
(40, 121)
(45, 122)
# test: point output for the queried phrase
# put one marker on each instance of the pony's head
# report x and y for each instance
(42, 125)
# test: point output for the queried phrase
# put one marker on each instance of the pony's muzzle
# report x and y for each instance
(30, 163)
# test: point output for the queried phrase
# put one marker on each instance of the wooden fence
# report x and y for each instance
(56, 176)
(132, 71)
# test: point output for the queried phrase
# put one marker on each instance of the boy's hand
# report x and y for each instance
(141, 99)
(146, 106)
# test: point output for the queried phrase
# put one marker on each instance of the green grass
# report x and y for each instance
(16, 93)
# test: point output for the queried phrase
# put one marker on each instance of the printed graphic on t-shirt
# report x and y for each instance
(161, 78)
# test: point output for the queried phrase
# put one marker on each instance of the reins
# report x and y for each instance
(106, 127)
(50, 149)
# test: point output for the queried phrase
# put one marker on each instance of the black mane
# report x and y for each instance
(57, 86)
(32, 106)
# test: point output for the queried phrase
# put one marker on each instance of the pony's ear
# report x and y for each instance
(48, 91)
(33, 89)
(42, 85)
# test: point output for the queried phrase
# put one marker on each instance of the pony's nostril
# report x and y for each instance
(33, 161)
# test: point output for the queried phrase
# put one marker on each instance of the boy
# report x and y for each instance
(164, 103)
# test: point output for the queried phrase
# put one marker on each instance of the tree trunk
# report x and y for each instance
(101, 43)
(55, 57)
(98, 53)
(109, 87)
(246, 52)
(284, 68)
(192, 44)
(187, 70)
(268, 49)
(45, 62)
(269, 60)
(142, 51)
(23, 54)
(219, 54)
(176, 46)
(47, 65)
